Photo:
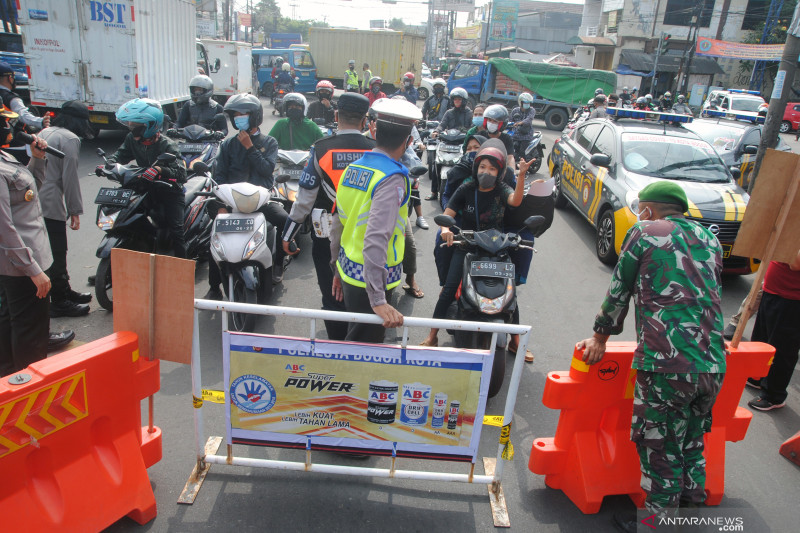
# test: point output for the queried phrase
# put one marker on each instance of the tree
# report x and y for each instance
(267, 18)
(776, 36)
(397, 24)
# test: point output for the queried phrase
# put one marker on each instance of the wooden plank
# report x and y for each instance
(496, 499)
(165, 308)
(198, 475)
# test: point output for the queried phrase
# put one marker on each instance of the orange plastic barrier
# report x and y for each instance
(73, 454)
(591, 455)
(791, 449)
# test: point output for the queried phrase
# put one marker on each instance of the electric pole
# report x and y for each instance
(780, 93)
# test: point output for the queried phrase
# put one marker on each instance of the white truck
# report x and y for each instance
(231, 67)
(106, 53)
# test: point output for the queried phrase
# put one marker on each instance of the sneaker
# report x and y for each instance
(762, 404)
(422, 223)
(753, 383)
(277, 273)
(79, 297)
(728, 332)
(68, 308)
(213, 294)
(59, 340)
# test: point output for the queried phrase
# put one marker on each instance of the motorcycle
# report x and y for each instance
(277, 98)
(197, 143)
(290, 164)
(242, 245)
(448, 151)
(327, 129)
(131, 221)
(488, 291)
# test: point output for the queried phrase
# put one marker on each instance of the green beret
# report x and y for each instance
(665, 192)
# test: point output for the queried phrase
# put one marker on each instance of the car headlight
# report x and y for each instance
(255, 241)
(216, 242)
(106, 222)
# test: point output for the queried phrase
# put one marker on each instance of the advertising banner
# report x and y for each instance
(416, 402)
(502, 27)
(467, 6)
(468, 32)
(760, 52)
(245, 19)
(465, 47)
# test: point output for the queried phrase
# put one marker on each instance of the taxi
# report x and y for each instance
(600, 166)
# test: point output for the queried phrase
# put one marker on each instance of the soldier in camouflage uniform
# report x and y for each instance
(671, 266)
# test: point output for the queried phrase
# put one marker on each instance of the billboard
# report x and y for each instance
(381, 398)
(503, 23)
(467, 6)
(759, 52)
(468, 32)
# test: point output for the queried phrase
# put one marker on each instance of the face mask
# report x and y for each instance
(492, 127)
(438, 91)
(375, 89)
(477, 121)
(242, 123)
(525, 105)
(640, 213)
(486, 180)
(408, 84)
(294, 114)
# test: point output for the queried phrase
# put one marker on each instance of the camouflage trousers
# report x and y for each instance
(671, 413)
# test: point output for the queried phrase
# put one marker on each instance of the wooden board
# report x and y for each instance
(778, 172)
(497, 499)
(172, 305)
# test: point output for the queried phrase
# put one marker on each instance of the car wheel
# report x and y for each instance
(559, 199)
(605, 238)
(423, 93)
(786, 126)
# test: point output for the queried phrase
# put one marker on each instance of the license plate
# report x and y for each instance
(726, 250)
(295, 173)
(191, 147)
(98, 119)
(109, 196)
(234, 224)
(491, 270)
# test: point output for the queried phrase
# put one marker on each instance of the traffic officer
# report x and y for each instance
(328, 159)
(351, 77)
(367, 235)
(366, 75)
(12, 101)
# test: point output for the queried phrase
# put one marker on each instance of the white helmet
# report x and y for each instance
(648, 97)
(524, 98)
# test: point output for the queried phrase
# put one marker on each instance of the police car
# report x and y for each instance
(735, 100)
(736, 137)
(600, 166)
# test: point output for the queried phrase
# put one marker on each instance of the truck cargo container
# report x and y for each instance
(231, 67)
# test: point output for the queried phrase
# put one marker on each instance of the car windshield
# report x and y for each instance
(677, 158)
(720, 136)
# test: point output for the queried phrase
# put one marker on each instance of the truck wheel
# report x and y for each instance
(605, 238)
(556, 119)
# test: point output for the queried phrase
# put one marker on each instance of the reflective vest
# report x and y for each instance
(350, 79)
(353, 202)
(366, 76)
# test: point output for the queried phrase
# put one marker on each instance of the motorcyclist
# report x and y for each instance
(12, 101)
(295, 132)
(599, 110)
(407, 90)
(202, 110)
(665, 101)
(285, 77)
(277, 68)
(374, 92)
(641, 104)
(477, 122)
(681, 107)
(459, 116)
(143, 118)
(249, 156)
(324, 107)
(625, 96)
(436, 105)
(613, 100)
(522, 117)
(650, 104)
(598, 91)
(495, 119)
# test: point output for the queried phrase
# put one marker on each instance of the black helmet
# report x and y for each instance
(201, 88)
(245, 103)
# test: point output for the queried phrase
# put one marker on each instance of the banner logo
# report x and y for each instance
(252, 394)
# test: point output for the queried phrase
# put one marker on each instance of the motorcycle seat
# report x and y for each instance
(194, 186)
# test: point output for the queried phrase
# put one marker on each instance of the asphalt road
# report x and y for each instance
(563, 294)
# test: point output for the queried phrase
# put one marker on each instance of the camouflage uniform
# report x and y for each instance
(672, 269)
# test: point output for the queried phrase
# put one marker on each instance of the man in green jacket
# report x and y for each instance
(295, 132)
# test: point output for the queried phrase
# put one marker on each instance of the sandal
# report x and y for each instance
(432, 344)
(432, 197)
(528, 353)
(411, 291)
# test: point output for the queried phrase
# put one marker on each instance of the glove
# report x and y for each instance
(98, 171)
(219, 135)
(172, 132)
(151, 174)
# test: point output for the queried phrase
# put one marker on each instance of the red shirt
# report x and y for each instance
(372, 96)
(782, 281)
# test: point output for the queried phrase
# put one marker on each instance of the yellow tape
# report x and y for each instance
(135, 355)
(505, 433)
(214, 396)
(493, 420)
(508, 452)
(197, 403)
(579, 365)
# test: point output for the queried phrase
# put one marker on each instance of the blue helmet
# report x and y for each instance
(141, 111)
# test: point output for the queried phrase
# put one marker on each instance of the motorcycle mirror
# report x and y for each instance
(167, 158)
(446, 221)
(200, 167)
(533, 222)
(418, 170)
(219, 116)
(282, 178)
(100, 152)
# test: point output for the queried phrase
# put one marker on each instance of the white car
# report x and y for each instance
(425, 88)
(426, 72)
(735, 100)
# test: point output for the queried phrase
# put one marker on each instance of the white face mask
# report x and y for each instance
(492, 127)
(641, 213)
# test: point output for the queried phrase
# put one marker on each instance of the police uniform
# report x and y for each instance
(351, 80)
(316, 197)
(368, 230)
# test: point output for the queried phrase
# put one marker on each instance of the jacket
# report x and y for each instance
(61, 184)
(146, 154)
(203, 114)
(255, 165)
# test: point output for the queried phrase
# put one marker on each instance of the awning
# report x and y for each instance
(591, 41)
(639, 61)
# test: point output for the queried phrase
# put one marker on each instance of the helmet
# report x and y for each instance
(325, 85)
(201, 87)
(667, 94)
(143, 111)
(625, 89)
(438, 82)
(493, 152)
(681, 98)
(286, 67)
(496, 112)
(591, 101)
(599, 98)
(641, 100)
(295, 98)
(635, 89)
(648, 96)
(245, 103)
(375, 79)
(524, 97)
(598, 91)
(459, 92)
(408, 76)
(280, 60)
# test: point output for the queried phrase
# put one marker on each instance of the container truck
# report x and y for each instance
(230, 67)
(106, 53)
(557, 91)
(390, 54)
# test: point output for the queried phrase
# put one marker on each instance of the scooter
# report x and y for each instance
(242, 245)
(290, 164)
(131, 221)
(488, 291)
(277, 98)
(448, 152)
(196, 144)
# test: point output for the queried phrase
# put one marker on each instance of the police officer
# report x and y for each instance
(202, 110)
(13, 102)
(375, 189)
(317, 195)
(351, 77)
(366, 75)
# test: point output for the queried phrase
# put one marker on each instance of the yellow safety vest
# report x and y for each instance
(350, 79)
(353, 203)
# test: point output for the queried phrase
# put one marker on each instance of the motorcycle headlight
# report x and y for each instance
(216, 242)
(255, 241)
(292, 195)
(492, 306)
(106, 222)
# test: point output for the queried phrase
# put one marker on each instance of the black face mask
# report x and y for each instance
(295, 114)
(438, 91)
